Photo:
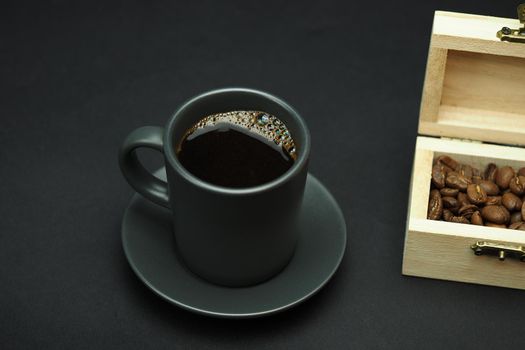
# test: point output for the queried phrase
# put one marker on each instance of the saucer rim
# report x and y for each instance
(226, 315)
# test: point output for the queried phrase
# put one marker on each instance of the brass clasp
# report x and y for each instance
(514, 35)
(502, 251)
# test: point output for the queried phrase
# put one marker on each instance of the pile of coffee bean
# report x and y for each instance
(463, 194)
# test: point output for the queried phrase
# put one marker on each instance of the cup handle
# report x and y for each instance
(137, 176)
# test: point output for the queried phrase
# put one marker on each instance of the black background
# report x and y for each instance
(76, 78)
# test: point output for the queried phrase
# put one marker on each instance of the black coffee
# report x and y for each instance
(237, 149)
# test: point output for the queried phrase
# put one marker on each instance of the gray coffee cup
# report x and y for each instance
(228, 236)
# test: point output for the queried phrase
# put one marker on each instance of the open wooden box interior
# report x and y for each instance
(475, 84)
(475, 90)
(440, 249)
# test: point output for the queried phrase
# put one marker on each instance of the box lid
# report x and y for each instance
(475, 83)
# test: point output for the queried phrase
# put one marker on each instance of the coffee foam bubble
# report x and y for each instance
(260, 123)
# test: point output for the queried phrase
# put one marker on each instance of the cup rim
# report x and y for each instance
(296, 168)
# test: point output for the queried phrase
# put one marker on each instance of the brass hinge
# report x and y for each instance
(514, 35)
(502, 251)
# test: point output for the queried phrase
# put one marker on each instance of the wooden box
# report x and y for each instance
(472, 108)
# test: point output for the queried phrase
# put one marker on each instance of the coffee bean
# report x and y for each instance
(447, 215)
(515, 217)
(438, 175)
(476, 219)
(459, 220)
(505, 174)
(497, 214)
(476, 179)
(449, 192)
(493, 200)
(489, 187)
(491, 224)
(435, 205)
(465, 170)
(462, 199)
(519, 225)
(490, 172)
(456, 180)
(511, 201)
(450, 202)
(521, 171)
(517, 185)
(467, 210)
(448, 161)
(476, 194)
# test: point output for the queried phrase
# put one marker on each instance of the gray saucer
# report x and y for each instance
(149, 246)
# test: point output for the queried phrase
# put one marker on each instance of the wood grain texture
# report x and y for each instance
(477, 82)
(419, 191)
(433, 87)
(470, 90)
(441, 250)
